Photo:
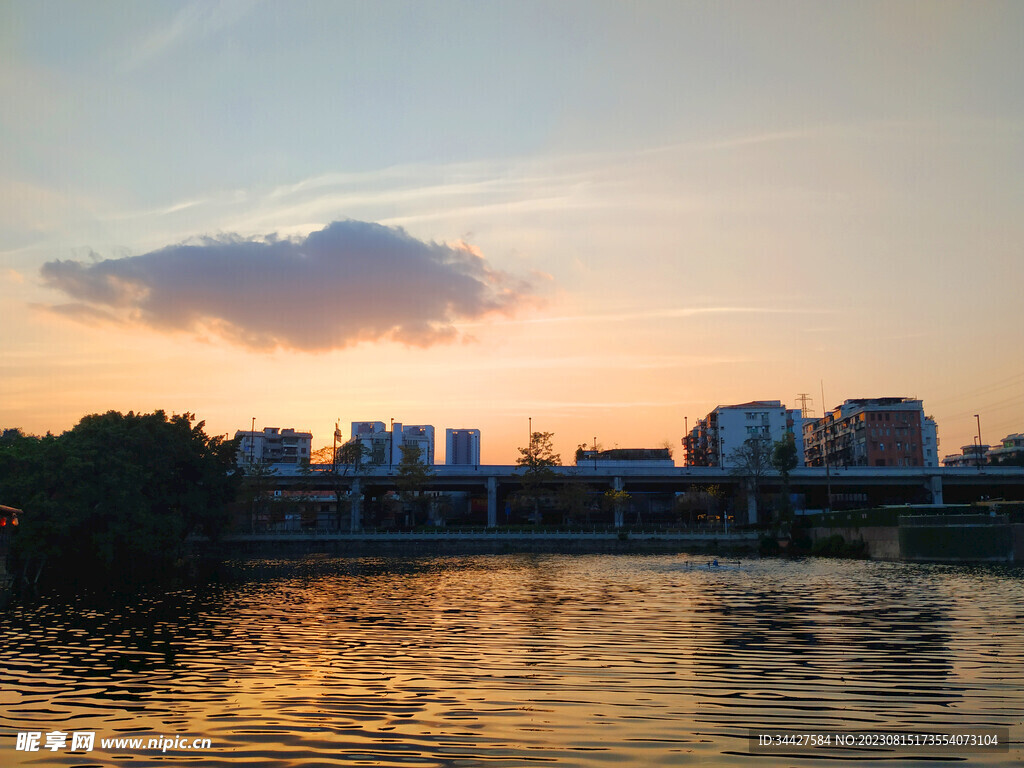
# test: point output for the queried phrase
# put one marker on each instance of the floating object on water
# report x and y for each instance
(713, 565)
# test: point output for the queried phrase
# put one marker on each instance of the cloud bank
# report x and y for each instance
(350, 282)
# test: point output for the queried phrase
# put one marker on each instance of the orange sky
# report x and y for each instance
(689, 205)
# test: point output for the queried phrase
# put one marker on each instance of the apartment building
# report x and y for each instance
(1009, 451)
(383, 446)
(714, 438)
(273, 446)
(873, 432)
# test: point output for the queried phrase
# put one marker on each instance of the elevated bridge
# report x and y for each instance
(858, 486)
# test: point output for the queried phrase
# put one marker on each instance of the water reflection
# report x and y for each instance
(504, 660)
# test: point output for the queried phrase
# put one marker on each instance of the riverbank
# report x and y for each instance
(474, 543)
(962, 538)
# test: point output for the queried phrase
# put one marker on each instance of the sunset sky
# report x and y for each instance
(605, 216)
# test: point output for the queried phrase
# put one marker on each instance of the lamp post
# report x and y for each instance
(334, 451)
(976, 416)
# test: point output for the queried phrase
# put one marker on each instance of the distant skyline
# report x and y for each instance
(608, 217)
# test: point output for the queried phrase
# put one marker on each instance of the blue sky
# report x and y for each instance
(701, 203)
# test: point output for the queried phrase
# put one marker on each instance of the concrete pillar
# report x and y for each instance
(620, 513)
(357, 505)
(492, 502)
(751, 508)
(935, 486)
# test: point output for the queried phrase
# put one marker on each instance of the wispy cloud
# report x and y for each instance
(352, 281)
(656, 314)
(196, 19)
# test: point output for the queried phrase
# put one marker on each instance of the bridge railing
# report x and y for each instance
(500, 531)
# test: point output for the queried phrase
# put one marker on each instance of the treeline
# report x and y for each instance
(116, 496)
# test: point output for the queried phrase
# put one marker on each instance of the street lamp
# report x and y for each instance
(979, 440)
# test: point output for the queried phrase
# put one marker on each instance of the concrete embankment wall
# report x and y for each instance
(959, 538)
(882, 541)
(948, 539)
(404, 545)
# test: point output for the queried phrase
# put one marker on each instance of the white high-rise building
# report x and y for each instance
(714, 438)
(462, 446)
(383, 446)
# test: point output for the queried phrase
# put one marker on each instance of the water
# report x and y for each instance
(515, 660)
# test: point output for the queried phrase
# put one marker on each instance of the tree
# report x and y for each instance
(351, 454)
(784, 458)
(537, 460)
(583, 449)
(413, 476)
(117, 495)
(751, 461)
(323, 455)
(254, 486)
(334, 466)
(700, 503)
(616, 501)
(572, 497)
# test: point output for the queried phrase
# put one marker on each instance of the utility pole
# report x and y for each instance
(979, 440)
(828, 471)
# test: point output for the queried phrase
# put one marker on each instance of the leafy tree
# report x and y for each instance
(351, 454)
(413, 476)
(572, 497)
(321, 456)
(785, 458)
(616, 500)
(338, 467)
(118, 494)
(583, 448)
(538, 460)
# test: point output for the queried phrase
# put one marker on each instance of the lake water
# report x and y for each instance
(516, 660)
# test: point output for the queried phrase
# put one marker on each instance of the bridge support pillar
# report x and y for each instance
(620, 513)
(492, 502)
(357, 506)
(935, 486)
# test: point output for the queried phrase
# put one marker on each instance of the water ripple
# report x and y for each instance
(509, 660)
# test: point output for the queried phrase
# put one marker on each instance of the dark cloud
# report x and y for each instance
(352, 281)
